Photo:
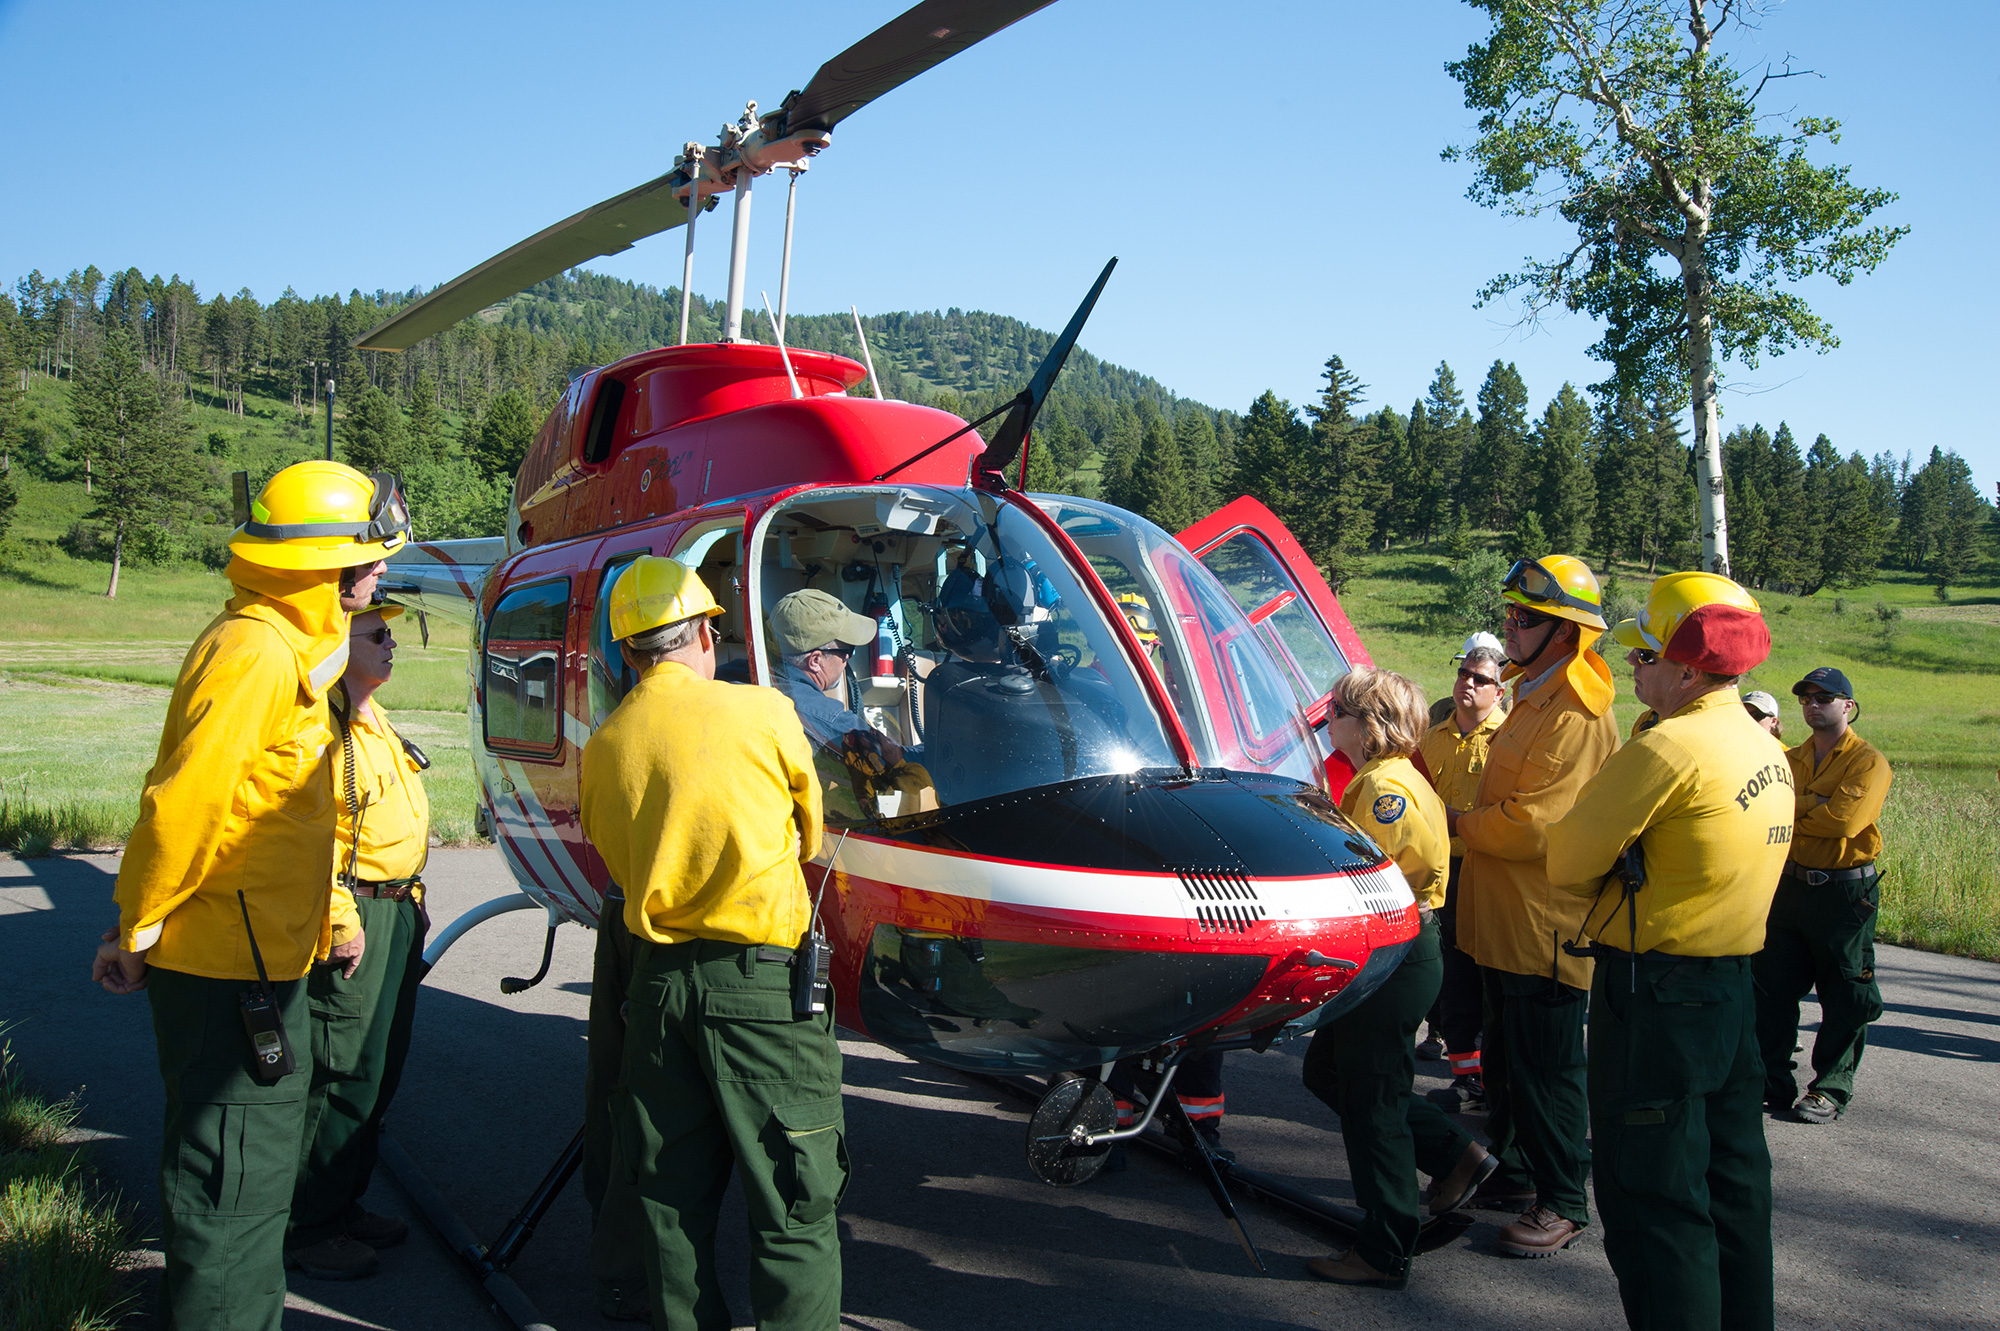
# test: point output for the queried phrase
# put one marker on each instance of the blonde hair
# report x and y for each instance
(1390, 708)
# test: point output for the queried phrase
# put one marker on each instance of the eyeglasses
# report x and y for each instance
(1486, 681)
(1538, 584)
(1820, 699)
(1521, 617)
(376, 636)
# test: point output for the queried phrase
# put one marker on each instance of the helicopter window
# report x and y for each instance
(610, 678)
(1233, 700)
(990, 670)
(522, 677)
(1265, 592)
(598, 440)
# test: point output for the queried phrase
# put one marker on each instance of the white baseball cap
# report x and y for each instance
(1760, 702)
(1478, 640)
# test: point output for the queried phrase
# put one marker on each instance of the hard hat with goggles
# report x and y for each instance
(1558, 585)
(1139, 615)
(315, 515)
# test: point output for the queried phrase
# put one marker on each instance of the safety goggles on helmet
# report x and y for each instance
(388, 516)
(1531, 580)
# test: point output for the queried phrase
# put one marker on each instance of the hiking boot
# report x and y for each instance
(1816, 1107)
(337, 1258)
(1453, 1190)
(1468, 1094)
(377, 1231)
(1347, 1268)
(1495, 1195)
(1430, 1049)
(1539, 1232)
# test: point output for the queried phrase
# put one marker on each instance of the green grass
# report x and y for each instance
(1940, 873)
(63, 1244)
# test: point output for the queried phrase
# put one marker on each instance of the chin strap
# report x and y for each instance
(1548, 634)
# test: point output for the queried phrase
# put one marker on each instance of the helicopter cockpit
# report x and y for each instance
(995, 669)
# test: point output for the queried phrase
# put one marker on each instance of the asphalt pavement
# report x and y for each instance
(1887, 1218)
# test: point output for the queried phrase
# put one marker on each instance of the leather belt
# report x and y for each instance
(395, 889)
(1821, 877)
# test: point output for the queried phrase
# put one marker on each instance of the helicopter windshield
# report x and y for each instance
(1232, 699)
(983, 667)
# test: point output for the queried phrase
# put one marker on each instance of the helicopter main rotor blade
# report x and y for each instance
(1027, 404)
(604, 228)
(897, 52)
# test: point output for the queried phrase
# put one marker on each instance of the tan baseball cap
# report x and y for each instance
(810, 619)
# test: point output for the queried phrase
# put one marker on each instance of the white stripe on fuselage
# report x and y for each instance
(1159, 896)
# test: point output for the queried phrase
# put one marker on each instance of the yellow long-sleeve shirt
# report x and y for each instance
(702, 799)
(396, 817)
(1707, 794)
(1457, 762)
(1552, 742)
(1838, 804)
(1390, 801)
(240, 795)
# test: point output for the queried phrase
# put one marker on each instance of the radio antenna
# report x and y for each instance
(778, 331)
(873, 382)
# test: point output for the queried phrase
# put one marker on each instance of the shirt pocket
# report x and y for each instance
(294, 777)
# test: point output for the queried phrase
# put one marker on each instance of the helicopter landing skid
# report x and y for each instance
(487, 1263)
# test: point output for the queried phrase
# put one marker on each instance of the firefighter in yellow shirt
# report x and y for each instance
(1821, 934)
(1690, 821)
(224, 890)
(1453, 754)
(703, 801)
(364, 1004)
(1557, 734)
(1362, 1065)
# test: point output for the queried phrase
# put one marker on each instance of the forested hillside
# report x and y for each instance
(145, 395)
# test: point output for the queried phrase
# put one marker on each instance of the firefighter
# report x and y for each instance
(1362, 1065)
(363, 1006)
(703, 801)
(1691, 819)
(1821, 935)
(225, 887)
(1557, 734)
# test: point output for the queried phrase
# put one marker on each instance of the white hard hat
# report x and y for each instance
(1478, 640)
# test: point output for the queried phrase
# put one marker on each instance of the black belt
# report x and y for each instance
(394, 889)
(1821, 877)
(1606, 952)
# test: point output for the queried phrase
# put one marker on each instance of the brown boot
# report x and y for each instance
(1347, 1268)
(337, 1258)
(1539, 1232)
(1453, 1190)
(377, 1231)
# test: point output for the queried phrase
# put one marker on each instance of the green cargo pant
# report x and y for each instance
(360, 1039)
(718, 1071)
(1819, 938)
(618, 1235)
(1533, 1063)
(1683, 1176)
(229, 1154)
(1363, 1067)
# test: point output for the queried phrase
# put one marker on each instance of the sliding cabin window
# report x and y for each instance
(521, 677)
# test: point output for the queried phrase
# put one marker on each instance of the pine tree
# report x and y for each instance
(1342, 488)
(1269, 449)
(1495, 464)
(136, 436)
(1397, 511)
(1194, 433)
(1785, 510)
(372, 434)
(1528, 540)
(1122, 439)
(505, 434)
(1565, 496)
(1844, 544)
(1160, 479)
(426, 424)
(1960, 513)
(1668, 517)
(1619, 471)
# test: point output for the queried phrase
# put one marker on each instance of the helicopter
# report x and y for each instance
(1114, 833)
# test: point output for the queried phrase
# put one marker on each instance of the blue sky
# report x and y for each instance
(1270, 179)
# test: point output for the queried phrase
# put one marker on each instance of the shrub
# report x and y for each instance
(1472, 594)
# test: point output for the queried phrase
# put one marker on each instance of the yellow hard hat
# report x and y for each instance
(1559, 585)
(653, 592)
(1702, 620)
(1139, 614)
(324, 515)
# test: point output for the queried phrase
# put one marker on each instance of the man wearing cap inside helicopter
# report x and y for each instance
(1692, 819)
(1557, 734)
(225, 886)
(363, 1008)
(702, 799)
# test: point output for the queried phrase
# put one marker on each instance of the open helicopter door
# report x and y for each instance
(1277, 586)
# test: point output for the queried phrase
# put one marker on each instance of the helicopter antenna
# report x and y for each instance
(873, 382)
(778, 330)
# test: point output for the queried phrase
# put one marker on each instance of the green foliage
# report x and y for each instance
(1160, 479)
(425, 426)
(372, 434)
(9, 497)
(1337, 481)
(1270, 448)
(1940, 877)
(1528, 540)
(135, 433)
(1458, 546)
(1471, 599)
(1559, 465)
(505, 434)
(1888, 623)
(451, 499)
(1494, 483)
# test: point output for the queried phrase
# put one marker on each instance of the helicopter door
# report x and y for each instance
(1275, 584)
(713, 548)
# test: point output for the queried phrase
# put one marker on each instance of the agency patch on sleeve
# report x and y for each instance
(1388, 808)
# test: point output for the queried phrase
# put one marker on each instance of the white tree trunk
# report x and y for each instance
(1711, 524)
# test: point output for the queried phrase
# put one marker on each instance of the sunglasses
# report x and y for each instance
(1820, 699)
(841, 649)
(1645, 657)
(376, 636)
(1527, 619)
(1486, 681)
(1339, 711)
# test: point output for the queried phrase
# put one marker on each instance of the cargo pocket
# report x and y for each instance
(1695, 1044)
(1652, 1154)
(751, 1035)
(816, 1149)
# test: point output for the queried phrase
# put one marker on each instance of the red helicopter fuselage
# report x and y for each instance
(1114, 828)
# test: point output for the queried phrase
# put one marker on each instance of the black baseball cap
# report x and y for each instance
(1824, 680)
